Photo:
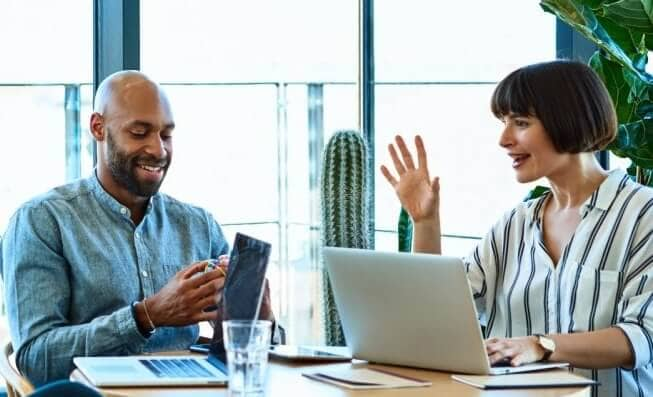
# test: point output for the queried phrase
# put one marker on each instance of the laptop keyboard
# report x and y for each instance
(176, 368)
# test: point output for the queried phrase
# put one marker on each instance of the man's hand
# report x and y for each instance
(516, 351)
(182, 301)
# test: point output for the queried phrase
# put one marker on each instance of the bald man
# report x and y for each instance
(108, 265)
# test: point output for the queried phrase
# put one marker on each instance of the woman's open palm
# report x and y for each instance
(418, 194)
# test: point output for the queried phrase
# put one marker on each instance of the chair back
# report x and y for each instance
(17, 385)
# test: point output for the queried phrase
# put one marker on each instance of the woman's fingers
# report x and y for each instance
(399, 166)
(517, 351)
(388, 176)
(421, 153)
(405, 153)
(518, 360)
(435, 185)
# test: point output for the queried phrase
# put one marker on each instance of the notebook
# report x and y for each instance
(553, 378)
(410, 309)
(365, 378)
(242, 297)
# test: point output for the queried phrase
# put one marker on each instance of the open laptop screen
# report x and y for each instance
(243, 287)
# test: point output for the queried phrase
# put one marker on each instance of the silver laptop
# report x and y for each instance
(242, 295)
(410, 309)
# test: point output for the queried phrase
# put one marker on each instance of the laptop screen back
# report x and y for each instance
(243, 287)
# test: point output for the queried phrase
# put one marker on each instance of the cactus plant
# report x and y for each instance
(344, 211)
(405, 231)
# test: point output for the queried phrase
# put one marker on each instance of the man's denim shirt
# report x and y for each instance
(73, 262)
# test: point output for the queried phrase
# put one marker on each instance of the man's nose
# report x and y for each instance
(156, 147)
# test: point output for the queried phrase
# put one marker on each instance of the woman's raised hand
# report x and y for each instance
(418, 194)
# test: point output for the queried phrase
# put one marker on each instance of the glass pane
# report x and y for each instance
(225, 150)
(87, 140)
(33, 124)
(476, 178)
(224, 40)
(338, 113)
(290, 42)
(340, 108)
(302, 298)
(299, 195)
(46, 41)
(451, 246)
(425, 40)
(303, 291)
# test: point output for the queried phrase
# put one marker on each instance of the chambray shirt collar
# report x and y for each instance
(110, 202)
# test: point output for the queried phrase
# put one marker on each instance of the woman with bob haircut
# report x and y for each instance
(567, 276)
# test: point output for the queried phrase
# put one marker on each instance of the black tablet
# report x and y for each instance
(244, 285)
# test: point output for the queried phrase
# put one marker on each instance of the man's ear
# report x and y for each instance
(96, 126)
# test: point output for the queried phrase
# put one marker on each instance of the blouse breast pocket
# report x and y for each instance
(596, 298)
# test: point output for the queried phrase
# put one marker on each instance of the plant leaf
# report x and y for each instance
(640, 175)
(628, 40)
(635, 140)
(405, 231)
(648, 8)
(645, 109)
(536, 192)
(612, 75)
(648, 40)
(582, 18)
(631, 14)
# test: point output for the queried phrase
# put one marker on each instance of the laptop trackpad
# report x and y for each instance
(120, 370)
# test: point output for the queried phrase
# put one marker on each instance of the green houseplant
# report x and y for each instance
(344, 211)
(623, 33)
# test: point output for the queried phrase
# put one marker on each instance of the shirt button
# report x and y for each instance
(144, 273)
(123, 210)
(138, 235)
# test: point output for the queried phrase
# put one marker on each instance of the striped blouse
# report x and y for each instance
(604, 278)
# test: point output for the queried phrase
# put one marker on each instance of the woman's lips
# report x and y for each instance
(518, 159)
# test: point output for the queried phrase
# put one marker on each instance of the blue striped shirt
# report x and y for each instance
(604, 278)
(73, 262)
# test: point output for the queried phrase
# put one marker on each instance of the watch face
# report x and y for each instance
(547, 343)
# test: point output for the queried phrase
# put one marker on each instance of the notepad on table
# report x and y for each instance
(554, 378)
(365, 378)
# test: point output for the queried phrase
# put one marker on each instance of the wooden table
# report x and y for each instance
(285, 379)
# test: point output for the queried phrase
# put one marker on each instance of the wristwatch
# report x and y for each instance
(547, 344)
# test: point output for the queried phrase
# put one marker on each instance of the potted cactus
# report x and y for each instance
(344, 211)
(404, 232)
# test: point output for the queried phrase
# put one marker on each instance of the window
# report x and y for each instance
(257, 88)
(253, 85)
(45, 91)
(440, 86)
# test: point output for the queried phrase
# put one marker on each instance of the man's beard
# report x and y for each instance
(123, 170)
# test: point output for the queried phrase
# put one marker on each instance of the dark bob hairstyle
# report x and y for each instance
(567, 97)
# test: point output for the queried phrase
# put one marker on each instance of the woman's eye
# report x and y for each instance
(521, 123)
